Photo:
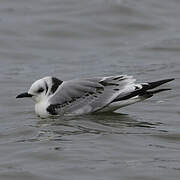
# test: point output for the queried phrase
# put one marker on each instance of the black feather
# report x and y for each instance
(144, 91)
(55, 84)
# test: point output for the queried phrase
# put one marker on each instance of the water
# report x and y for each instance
(82, 38)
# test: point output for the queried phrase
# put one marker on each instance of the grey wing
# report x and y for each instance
(89, 95)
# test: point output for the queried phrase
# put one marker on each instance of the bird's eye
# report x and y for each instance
(40, 90)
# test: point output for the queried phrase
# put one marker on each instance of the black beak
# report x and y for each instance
(23, 95)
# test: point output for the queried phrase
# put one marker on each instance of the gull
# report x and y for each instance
(54, 97)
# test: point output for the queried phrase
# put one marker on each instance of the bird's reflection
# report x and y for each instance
(104, 123)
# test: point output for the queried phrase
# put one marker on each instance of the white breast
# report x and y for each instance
(40, 109)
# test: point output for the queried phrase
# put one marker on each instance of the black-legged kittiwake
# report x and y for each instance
(83, 96)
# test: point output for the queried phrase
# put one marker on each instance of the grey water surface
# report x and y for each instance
(85, 38)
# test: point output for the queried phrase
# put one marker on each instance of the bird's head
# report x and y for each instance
(42, 89)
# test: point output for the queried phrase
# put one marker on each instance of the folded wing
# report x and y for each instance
(89, 95)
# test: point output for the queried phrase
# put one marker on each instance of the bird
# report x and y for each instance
(54, 97)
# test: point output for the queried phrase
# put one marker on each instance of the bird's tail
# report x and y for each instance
(146, 91)
(138, 95)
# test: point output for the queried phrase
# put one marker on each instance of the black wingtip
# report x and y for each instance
(155, 84)
(159, 90)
